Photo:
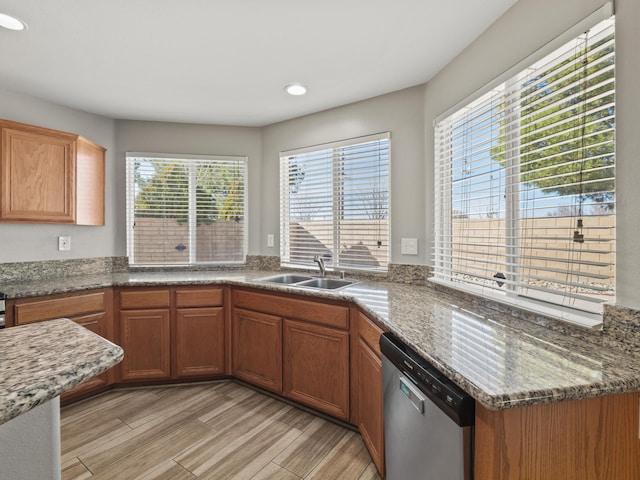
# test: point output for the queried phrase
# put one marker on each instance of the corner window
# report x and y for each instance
(334, 202)
(525, 184)
(185, 210)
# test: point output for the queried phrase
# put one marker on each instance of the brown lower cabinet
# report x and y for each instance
(293, 346)
(316, 367)
(199, 342)
(257, 348)
(369, 390)
(145, 337)
(590, 439)
(171, 333)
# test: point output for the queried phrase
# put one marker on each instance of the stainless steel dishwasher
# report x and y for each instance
(428, 420)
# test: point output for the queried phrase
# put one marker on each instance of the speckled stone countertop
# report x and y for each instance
(501, 363)
(43, 360)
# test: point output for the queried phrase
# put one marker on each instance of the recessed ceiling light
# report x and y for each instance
(11, 23)
(295, 89)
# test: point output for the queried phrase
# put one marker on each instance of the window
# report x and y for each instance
(525, 184)
(334, 202)
(185, 210)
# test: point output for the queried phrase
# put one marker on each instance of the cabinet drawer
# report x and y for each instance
(39, 310)
(206, 297)
(144, 299)
(317, 312)
(370, 333)
(91, 321)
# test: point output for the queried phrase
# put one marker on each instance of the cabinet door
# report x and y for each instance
(257, 348)
(370, 403)
(90, 182)
(97, 323)
(316, 367)
(38, 175)
(146, 343)
(199, 341)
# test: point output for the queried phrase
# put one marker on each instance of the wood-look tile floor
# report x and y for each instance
(219, 431)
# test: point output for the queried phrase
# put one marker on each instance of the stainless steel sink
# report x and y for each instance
(296, 280)
(286, 278)
(326, 283)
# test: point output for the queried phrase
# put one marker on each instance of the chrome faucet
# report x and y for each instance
(320, 261)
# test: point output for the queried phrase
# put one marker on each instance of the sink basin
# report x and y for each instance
(296, 280)
(326, 283)
(286, 278)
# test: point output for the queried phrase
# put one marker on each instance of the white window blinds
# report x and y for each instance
(525, 184)
(185, 210)
(334, 202)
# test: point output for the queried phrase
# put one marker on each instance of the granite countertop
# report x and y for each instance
(501, 363)
(43, 360)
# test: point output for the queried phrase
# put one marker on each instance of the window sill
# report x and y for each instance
(592, 321)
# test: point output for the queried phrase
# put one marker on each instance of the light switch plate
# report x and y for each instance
(270, 240)
(409, 246)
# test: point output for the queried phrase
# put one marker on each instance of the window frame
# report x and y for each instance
(189, 159)
(285, 201)
(444, 208)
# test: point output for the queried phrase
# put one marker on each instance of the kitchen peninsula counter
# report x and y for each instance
(38, 362)
(503, 362)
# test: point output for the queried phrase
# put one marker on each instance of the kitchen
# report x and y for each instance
(408, 114)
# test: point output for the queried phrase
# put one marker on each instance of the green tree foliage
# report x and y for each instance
(563, 150)
(165, 192)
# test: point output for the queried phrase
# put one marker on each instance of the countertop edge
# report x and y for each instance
(93, 356)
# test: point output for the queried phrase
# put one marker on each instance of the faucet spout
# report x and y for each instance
(320, 261)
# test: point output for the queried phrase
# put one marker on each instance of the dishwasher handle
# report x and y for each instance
(411, 392)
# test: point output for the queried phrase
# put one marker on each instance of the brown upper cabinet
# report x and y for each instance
(48, 176)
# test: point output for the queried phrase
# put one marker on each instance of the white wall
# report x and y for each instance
(400, 113)
(526, 27)
(627, 151)
(158, 137)
(21, 243)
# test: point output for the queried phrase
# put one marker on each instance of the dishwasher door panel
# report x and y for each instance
(421, 441)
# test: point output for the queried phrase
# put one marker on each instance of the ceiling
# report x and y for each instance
(228, 61)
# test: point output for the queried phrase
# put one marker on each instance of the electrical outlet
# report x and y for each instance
(270, 240)
(64, 243)
(409, 246)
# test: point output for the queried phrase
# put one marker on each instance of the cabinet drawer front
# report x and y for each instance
(36, 311)
(144, 299)
(370, 333)
(317, 312)
(209, 297)
(91, 321)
